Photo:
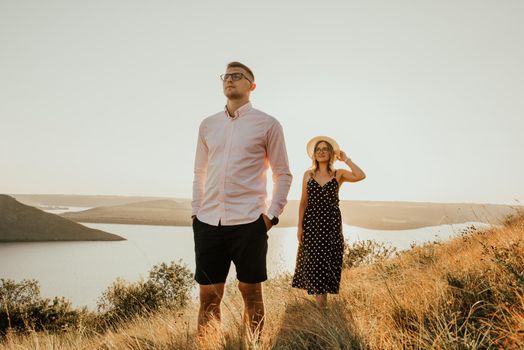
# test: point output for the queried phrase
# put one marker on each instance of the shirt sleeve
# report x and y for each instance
(277, 157)
(200, 171)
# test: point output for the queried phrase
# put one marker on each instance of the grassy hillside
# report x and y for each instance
(467, 293)
(22, 223)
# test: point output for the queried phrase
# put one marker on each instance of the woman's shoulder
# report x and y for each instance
(308, 174)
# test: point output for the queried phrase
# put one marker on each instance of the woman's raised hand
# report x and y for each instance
(342, 156)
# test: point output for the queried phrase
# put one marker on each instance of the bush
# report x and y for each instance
(365, 252)
(168, 286)
(174, 283)
(23, 309)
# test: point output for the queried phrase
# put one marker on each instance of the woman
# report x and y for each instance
(321, 244)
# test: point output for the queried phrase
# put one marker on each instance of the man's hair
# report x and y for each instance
(236, 64)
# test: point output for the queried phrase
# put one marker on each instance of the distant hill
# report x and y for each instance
(410, 215)
(168, 212)
(373, 215)
(46, 200)
(23, 223)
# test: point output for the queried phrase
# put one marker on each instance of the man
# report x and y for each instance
(230, 217)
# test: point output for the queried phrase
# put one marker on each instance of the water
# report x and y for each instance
(65, 209)
(81, 271)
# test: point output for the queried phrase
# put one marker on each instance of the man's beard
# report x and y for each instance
(234, 95)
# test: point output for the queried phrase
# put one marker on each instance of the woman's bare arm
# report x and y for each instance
(356, 174)
(302, 206)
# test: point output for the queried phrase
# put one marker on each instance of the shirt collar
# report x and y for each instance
(239, 112)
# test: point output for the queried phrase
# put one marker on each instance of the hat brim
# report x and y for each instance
(310, 147)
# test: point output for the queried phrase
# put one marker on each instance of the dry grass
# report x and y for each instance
(463, 294)
(467, 293)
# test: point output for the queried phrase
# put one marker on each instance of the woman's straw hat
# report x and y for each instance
(311, 145)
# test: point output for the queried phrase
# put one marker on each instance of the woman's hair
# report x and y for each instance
(314, 166)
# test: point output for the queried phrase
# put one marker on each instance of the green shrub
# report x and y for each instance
(168, 286)
(174, 283)
(22, 309)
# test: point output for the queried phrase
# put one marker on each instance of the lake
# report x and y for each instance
(81, 271)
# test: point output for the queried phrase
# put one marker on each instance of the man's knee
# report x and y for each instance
(251, 292)
(211, 295)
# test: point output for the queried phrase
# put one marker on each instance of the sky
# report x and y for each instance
(105, 97)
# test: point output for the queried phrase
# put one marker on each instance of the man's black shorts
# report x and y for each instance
(217, 246)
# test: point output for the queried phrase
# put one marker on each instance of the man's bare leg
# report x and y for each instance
(210, 298)
(253, 305)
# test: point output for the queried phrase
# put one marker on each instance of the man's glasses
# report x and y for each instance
(323, 149)
(234, 77)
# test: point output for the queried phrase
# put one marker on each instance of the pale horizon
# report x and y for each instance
(106, 99)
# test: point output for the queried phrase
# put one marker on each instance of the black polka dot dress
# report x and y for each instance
(319, 257)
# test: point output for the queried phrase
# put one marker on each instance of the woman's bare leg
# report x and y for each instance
(321, 300)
